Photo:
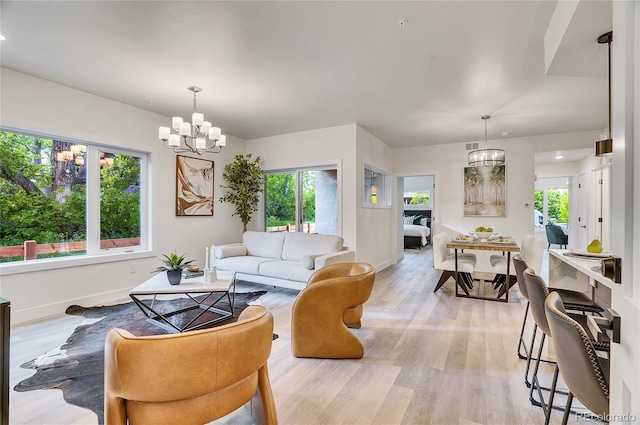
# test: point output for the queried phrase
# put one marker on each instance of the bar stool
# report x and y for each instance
(537, 291)
(572, 300)
(585, 374)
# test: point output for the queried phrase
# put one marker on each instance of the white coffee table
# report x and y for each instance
(145, 295)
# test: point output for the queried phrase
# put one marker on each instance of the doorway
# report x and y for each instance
(552, 198)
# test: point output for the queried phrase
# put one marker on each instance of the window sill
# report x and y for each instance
(377, 206)
(60, 263)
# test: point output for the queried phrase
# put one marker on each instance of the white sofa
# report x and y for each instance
(281, 259)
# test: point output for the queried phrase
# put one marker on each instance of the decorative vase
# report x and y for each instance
(174, 276)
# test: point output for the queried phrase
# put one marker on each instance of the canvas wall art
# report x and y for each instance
(194, 186)
(485, 191)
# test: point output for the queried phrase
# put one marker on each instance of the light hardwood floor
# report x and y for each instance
(430, 358)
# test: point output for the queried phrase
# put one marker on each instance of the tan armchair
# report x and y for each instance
(331, 302)
(190, 378)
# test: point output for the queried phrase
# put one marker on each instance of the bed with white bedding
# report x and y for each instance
(417, 228)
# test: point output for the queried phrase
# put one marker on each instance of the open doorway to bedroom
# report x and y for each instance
(418, 201)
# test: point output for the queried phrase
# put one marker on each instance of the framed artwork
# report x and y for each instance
(485, 191)
(194, 186)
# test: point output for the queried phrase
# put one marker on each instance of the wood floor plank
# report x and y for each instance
(430, 358)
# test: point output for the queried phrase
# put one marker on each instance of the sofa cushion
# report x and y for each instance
(263, 244)
(297, 245)
(243, 264)
(289, 270)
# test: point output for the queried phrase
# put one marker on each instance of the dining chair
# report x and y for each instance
(531, 251)
(585, 374)
(444, 260)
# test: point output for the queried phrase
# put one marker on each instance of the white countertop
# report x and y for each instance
(584, 265)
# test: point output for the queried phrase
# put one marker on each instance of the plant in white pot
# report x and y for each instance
(173, 265)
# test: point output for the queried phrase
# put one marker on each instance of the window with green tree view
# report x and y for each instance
(301, 201)
(557, 204)
(68, 198)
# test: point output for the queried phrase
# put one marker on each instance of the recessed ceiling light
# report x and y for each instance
(2, 37)
(505, 133)
(558, 157)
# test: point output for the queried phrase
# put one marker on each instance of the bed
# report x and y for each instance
(417, 228)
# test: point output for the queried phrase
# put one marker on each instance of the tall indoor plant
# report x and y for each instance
(245, 180)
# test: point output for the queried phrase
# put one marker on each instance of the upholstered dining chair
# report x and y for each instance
(556, 236)
(323, 311)
(531, 251)
(584, 373)
(444, 260)
(190, 378)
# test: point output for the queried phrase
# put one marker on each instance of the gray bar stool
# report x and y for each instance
(537, 291)
(584, 373)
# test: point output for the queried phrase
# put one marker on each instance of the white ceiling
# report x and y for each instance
(271, 68)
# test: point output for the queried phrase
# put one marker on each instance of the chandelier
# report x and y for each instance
(196, 137)
(486, 157)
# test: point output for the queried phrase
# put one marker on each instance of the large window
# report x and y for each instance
(62, 198)
(302, 201)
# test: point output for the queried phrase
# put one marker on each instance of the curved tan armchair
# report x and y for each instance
(190, 378)
(331, 302)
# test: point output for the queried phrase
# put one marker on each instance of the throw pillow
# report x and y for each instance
(424, 221)
(408, 219)
(230, 251)
(417, 220)
(309, 261)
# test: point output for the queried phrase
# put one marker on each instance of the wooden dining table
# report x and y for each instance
(484, 245)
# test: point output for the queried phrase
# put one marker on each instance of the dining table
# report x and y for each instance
(505, 246)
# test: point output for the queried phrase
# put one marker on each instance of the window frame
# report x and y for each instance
(94, 254)
(383, 194)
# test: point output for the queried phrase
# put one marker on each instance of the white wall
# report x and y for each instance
(32, 104)
(447, 163)
(326, 146)
(375, 225)
(365, 230)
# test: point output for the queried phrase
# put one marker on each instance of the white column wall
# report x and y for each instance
(375, 225)
(33, 104)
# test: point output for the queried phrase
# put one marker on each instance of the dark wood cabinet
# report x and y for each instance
(5, 327)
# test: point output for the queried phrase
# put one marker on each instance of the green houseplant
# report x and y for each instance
(173, 265)
(245, 180)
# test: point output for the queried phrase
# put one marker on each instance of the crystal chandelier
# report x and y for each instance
(197, 137)
(486, 157)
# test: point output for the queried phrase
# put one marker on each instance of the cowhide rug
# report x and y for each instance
(77, 367)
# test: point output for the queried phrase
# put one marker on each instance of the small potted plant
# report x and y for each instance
(173, 265)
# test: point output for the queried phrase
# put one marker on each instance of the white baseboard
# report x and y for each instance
(58, 308)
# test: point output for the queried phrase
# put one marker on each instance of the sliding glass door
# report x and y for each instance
(302, 201)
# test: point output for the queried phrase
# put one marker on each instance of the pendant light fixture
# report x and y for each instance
(486, 157)
(605, 147)
(196, 137)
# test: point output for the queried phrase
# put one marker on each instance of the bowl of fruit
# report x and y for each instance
(483, 232)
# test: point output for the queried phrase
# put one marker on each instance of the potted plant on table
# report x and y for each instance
(173, 265)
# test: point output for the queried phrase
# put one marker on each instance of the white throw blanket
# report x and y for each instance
(418, 231)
